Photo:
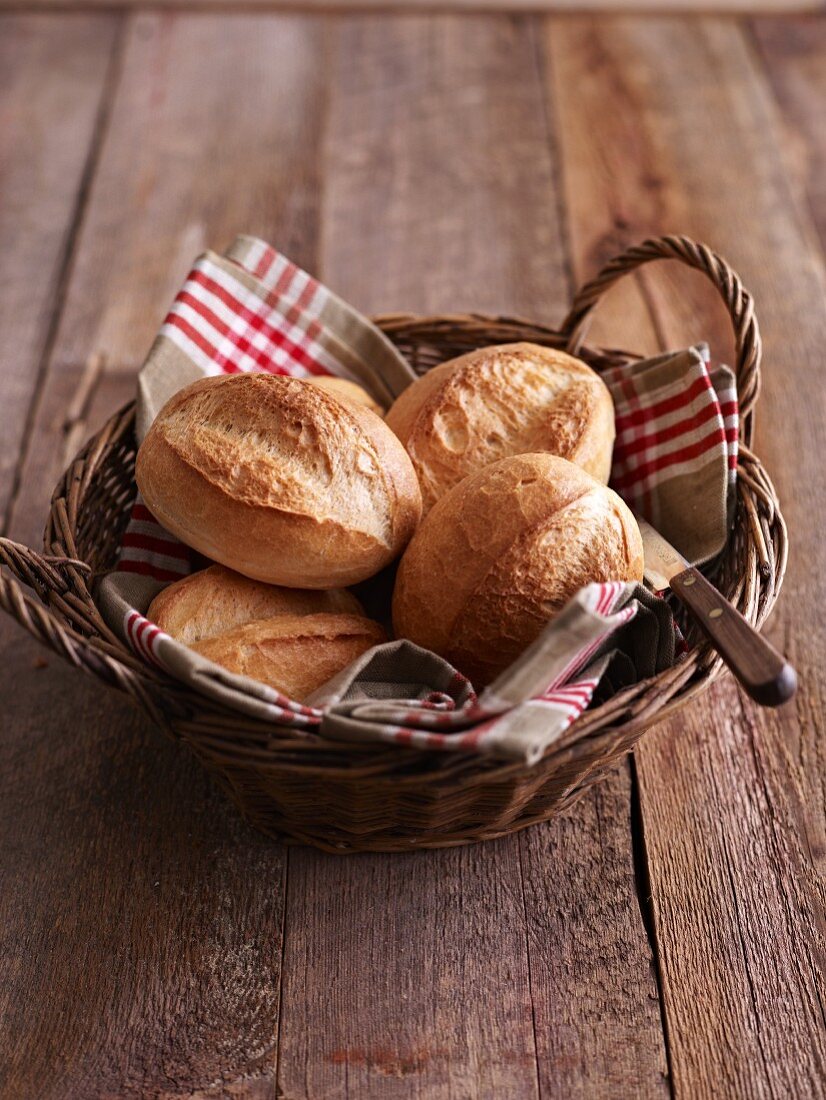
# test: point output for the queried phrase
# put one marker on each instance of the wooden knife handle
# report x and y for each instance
(764, 673)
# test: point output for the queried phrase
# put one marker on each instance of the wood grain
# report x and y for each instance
(215, 128)
(618, 192)
(732, 797)
(443, 119)
(793, 51)
(41, 192)
(140, 921)
(406, 976)
(447, 973)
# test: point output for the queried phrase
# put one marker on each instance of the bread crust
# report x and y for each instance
(295, 654)
(218, 599)
(502, 552)
(279, 480)
(499, 401)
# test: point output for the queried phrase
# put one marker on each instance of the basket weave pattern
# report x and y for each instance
(346, 797)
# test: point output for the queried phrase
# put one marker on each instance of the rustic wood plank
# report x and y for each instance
(47, 146)
(406, 976)
(593, 977)
(445, 973)
(617, 192)
(442, 119)
(211, 143)
(794, 53)
(732, 797)
(140, 921)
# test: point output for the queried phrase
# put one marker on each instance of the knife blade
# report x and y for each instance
(764, 673)
(662, 560)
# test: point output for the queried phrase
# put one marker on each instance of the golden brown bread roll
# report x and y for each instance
(345, 390)
(295, 654)
(501, 553)
(500, 401)
(217, 599)
(279, 480)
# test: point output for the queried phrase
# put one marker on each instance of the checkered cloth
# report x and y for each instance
(253, 310)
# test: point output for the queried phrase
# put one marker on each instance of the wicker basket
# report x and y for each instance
(346, 797)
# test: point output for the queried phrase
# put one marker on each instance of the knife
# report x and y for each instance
(764, 673)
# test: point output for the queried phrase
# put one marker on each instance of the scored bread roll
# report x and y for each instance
(346, 390)
(217, 599)
(279, 480)
(500, 401)
(295, 654)
(501, 554)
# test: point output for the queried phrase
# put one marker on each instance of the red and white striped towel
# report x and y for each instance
(226, 327)
(675, 455)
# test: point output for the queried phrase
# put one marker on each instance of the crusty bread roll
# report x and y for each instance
(295, 654)
(217, 599)
(501, 553)
(279, 480)
(500, 401)
(345, 390)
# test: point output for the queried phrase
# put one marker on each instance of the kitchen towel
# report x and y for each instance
(675, 455)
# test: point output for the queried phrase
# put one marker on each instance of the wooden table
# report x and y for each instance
(666, 936)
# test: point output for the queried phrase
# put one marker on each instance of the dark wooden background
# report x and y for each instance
(665, 937)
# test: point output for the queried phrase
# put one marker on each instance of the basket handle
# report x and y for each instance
(43, 574)
(737, 299)
(46, 574)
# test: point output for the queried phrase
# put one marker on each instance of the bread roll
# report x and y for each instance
(295, 654)
(345, 390)
(500, 554)
(500, 401)
(279, 480)
(217, 599)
